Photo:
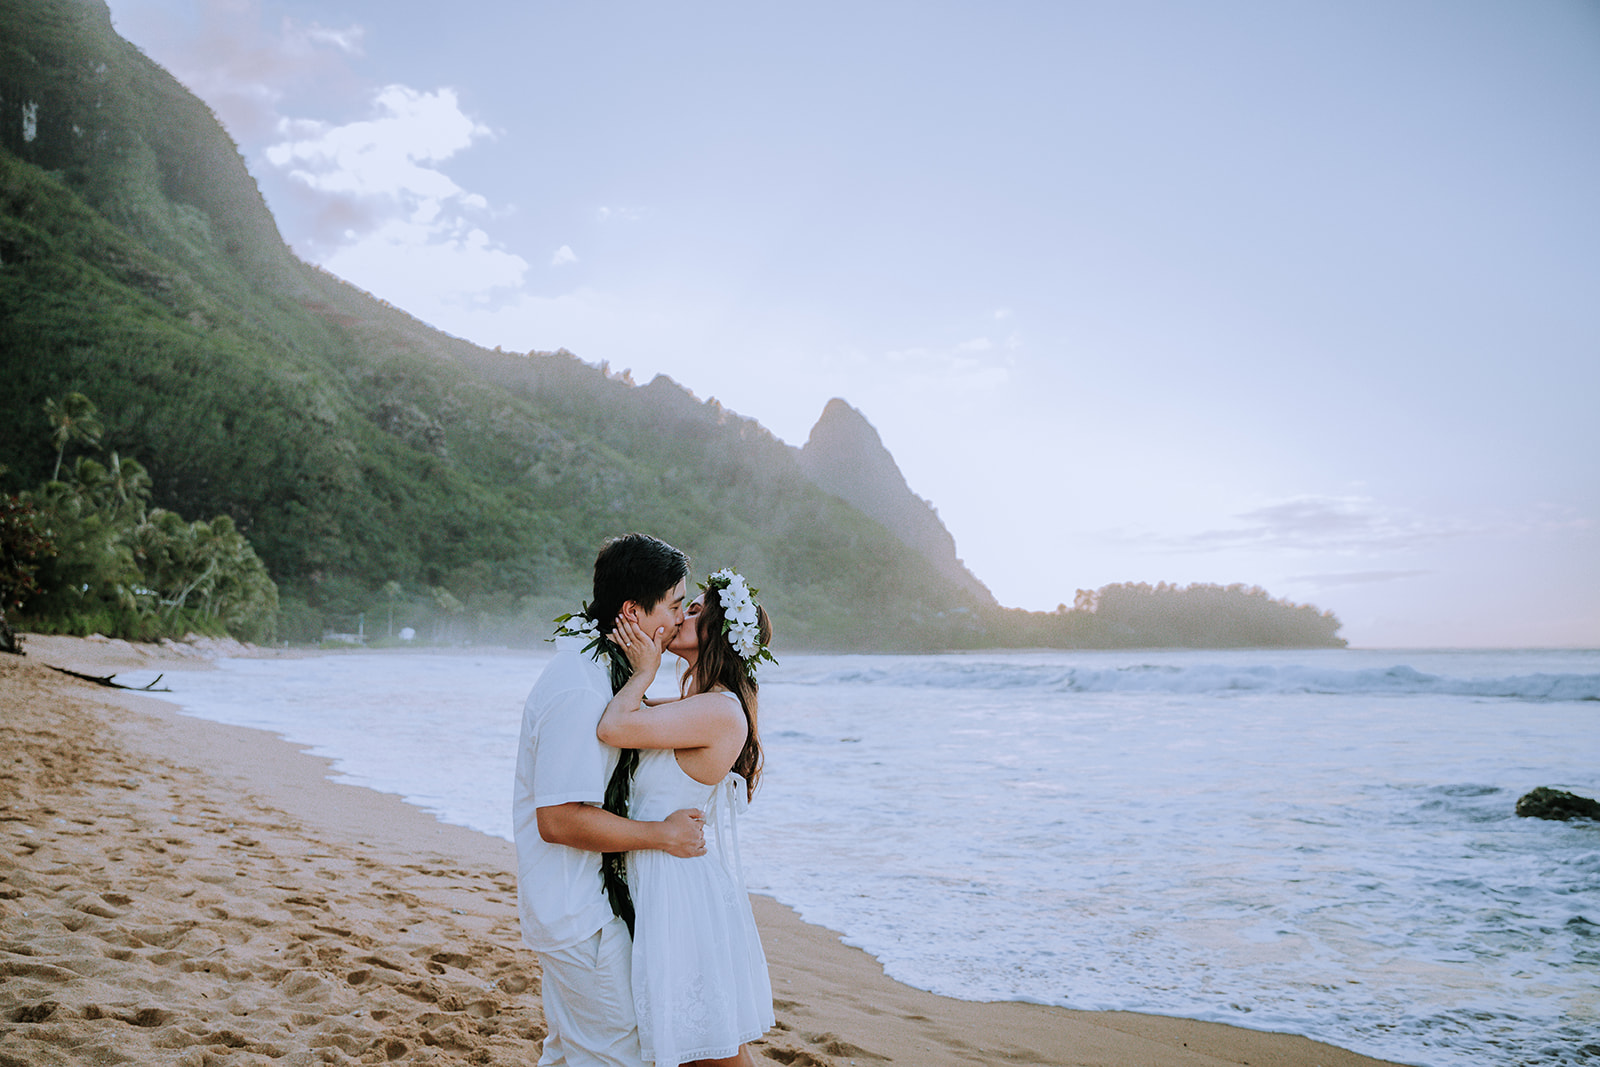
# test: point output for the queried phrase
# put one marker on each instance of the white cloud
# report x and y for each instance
(1342, 578)
(388, 155)
(619, 214)
(388, 218)
(963, 367)
(375, 205)
(428, 266)
(228, 57)
(1328, 523)
(347, 40)
(563, 256)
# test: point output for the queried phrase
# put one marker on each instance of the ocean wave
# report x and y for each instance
(1211, 678)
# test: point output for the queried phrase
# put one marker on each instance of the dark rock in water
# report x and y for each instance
(1547, 803)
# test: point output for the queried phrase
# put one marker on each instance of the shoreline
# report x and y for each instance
(174, 889)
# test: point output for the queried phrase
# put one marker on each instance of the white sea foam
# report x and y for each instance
(1320, 843)
(1208, 678)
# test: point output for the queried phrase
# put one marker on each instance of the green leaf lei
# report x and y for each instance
(613, 865)
(618, 667)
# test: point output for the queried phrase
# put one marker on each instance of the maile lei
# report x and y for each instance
(579, 624)
(613, 865)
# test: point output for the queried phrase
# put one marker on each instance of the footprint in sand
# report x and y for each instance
(795, 1057)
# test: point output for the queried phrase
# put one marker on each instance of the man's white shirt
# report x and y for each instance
(560, 761)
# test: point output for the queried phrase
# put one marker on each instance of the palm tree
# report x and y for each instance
(446, 602)
(391, 591)
(127, 485)
(72, 420)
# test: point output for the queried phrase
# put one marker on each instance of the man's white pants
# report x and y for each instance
(588, 1002)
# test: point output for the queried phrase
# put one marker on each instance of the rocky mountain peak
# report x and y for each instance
(845, 456)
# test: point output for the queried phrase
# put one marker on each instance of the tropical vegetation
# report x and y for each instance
(88, 554)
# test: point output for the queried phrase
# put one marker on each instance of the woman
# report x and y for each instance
(700, 985)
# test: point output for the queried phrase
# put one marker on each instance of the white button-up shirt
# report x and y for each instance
(559, 760)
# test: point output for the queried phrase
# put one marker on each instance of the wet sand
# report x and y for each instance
(175, 891)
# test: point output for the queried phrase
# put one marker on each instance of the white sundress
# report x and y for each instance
(700, 985)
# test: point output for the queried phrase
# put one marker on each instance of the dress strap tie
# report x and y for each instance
(729, 799)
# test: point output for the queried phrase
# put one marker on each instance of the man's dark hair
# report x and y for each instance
(634, 567)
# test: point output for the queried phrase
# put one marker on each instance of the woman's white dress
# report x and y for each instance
(700, 985)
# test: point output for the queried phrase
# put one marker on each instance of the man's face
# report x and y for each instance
(668, 613)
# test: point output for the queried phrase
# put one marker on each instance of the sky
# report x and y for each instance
(1300, 295)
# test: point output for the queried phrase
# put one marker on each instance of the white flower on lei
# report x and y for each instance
(578, 624)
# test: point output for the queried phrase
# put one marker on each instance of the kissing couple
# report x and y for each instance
(643, 927)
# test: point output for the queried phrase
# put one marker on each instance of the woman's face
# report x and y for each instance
(687, 643)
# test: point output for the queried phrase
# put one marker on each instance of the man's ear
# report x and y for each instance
(630, 610)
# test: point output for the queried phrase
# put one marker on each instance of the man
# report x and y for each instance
(561, 828)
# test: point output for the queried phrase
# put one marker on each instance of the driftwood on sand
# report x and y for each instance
(150, 687)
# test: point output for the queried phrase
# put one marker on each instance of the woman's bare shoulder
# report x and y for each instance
(710, 699)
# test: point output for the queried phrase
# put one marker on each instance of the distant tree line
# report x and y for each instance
(1140, 615)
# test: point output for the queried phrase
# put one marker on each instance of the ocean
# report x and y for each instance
(1317, 842)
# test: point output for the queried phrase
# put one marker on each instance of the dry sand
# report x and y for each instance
(174, 891)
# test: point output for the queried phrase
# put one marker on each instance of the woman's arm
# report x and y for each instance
(693, 722)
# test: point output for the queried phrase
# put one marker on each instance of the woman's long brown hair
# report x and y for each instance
(719, 665)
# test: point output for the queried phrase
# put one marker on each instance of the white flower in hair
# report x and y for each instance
(742, 621)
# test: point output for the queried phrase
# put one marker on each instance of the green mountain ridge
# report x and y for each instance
(380, 466)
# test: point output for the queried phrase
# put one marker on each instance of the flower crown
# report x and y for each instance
(741, 620)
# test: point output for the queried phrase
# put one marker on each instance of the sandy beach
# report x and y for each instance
(174, 891)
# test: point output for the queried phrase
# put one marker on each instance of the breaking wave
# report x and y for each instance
(1209, 678)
